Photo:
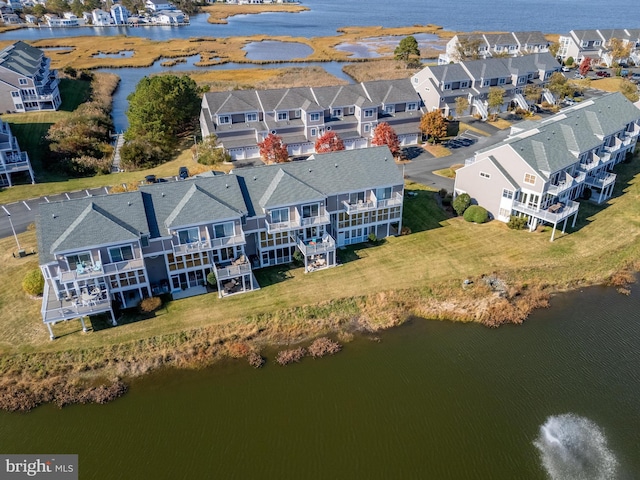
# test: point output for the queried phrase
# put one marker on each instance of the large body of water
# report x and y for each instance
(432, 400)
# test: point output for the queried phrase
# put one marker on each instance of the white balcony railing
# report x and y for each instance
(209, 244)
(108, 269)
(323, 245)
(603, 180)
(554, 214)
(233, 271)
(273, 226)
(396, 199)
(321, 219)
(567, 183)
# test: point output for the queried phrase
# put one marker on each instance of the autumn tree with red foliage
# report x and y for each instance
(585, 66)
(329, 142)
(272, 150)
(385, 135)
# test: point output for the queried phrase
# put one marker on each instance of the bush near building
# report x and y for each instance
(461, 203)
(476, 214)
(33, 282)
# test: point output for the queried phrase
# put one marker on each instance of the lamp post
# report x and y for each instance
(14, 233)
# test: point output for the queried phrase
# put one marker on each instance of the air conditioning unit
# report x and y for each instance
(329, 128)
(273, 132)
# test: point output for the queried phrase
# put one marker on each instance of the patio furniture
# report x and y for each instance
(97, 266)
(80, 269)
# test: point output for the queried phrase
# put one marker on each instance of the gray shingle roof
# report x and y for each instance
(391, 91)
(288, 99)
(236, 101)
(452, 72)
(486, 69)
(88, 222)
(531, 38)
(342, 95)
(21, 58)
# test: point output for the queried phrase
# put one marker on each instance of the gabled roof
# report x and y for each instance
(486, 69)
(285, 189)
(391, 91)
(236, 101)
(531, 38)
(87, 222)
(452, 72)
(287, 99)
(21, 58)
(197, 206)
(342, 95)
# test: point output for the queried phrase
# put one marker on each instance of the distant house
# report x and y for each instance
(100, 18)
(26, 81)
(169, 17)
(120, 14)
(158, 5)
(594, 44)
(11, 19)
(243, 118)
(544, 166)
(439, 86)
(31, 19)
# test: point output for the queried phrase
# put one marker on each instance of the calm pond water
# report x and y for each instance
(433, 400)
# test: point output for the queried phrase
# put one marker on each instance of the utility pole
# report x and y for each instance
(14, 235)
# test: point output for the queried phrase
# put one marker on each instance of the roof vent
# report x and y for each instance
(336, 165)
(129, 203)
(385, 159)
(309, 170)
(163, 194)
(53, 215)
(226, 185)
(255, 178)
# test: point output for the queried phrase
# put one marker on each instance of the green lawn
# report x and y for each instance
(440, 251)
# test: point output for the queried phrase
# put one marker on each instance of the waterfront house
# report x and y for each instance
(158, 5)
(595, 44)
(544, 166)
(169, 17)
(439, 86)
(243, 118)
(120, 14)
(12, 160)
(26, 81)
(105, 253)
(496, 44)
(100, 18)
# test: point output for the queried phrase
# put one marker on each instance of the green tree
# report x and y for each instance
(433, 124)
(161, 109)
(462, 105)
(629, 90)
(57, 6)
(495, 99)
(532, 93)
(554, 47)
(461, 203)
(208, 152)
(407, 48)
(38, 10)
(558, 86)
(619, 50)
(569, 61)
(77, 8)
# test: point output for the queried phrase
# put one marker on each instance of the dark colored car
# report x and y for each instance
(183, 173)
(603, 74)
(150, 179)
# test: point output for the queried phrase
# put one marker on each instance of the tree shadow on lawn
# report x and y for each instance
(272, 275)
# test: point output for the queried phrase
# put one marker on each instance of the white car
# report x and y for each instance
(566, 69)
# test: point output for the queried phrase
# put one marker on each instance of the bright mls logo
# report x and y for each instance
(50, 467)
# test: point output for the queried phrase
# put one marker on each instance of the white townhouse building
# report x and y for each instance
(158, 5)
(26, 81)
(100, 18)
(595, 44)
(502, 44)
(12, 159)
(243, 118)
(101, 254)
(440, 85)
(544, 166)
(120, 14)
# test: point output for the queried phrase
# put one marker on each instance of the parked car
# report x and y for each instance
(183, 172)
(566, 69)
(578, 75)
(150, 179)
(602, 73)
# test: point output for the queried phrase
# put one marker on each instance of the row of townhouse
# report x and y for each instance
(596, 45)
(500, 44)
(440, 86)
(12, 159)
(544, 166)
(26, 81)
(243, 118)
(107, 252)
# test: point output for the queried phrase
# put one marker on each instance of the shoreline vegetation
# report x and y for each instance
(446, 269)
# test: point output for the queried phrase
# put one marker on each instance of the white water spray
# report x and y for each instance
(575, 448)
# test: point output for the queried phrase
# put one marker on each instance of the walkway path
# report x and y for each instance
(115, 165)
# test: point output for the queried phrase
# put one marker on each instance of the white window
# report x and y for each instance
(530, 179)
(297, 114)
(223, 230)
(447, 86)
(19, 106)
(189, 235)
(367, 127)
(383, 193)
(412, 106)
(222, 119)
(15, 94)
(23, 81)
(337, 112)
(280, 215)
(485, 175)
(506, 193)
(368, 113)
(389, 109)
(283, 116)
(415, 79)
(315, 117)
(597, 43)
(350, 110)
(120, 254)
(504, 212)
(485, 83)
(464, 84)
(251, 117)
(521, 80)
(501, 81)
(81, 259)
(314, 132)
(312, 210)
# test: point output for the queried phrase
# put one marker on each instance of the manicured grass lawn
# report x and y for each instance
(439, 251)
(449, 172)
(465, 126)
(437, 150)
(501, 123)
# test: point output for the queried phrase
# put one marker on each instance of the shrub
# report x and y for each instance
(323, 346)
(148, 305)
(448, 198)
(476, 214)
(285, 357)
(211, 278)
(461, 203)
(569, 61)
(70, 71)
(298, 257)
(255, 360)
(405, 231)
(517, 223)
(33, 282)
(442, 192)
(372, 237)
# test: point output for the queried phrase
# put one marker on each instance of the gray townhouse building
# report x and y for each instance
(243, 118)
(498, 44)
(440, 85)
(104, 253)
(26, 81)
(595, 44)
(542, 168)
